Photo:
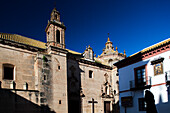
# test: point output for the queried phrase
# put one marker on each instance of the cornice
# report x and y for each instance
(21, 45)
(55, 23)
(144, 54)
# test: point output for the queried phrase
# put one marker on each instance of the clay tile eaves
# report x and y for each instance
(23, 40)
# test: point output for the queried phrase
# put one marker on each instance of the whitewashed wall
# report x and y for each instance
(126, 74)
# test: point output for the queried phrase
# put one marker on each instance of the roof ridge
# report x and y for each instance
(74, 52)
(155, 45)
(152, 46)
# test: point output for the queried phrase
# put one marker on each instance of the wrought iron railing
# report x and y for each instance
(167, 76)
(140, 83)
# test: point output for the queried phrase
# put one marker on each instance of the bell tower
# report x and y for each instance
(55, 30)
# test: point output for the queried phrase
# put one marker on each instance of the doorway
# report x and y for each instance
(107, 107)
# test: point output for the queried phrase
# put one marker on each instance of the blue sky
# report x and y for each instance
(132, 24)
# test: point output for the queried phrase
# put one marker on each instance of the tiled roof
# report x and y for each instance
(28, 41)
(152, 47)
(139, 56)
(22, 40)
(156, 45)
(73, 52)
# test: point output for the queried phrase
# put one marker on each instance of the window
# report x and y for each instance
(8, 71)
(58, 36)
(110, 62)
(90, 74)
(140, 76)
(142, 104)
(107, 47)
(59, 101)
(58, 67)
(56, 16)
(45, 77)
(90, 54)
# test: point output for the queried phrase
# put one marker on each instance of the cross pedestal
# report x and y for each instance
(93, 102)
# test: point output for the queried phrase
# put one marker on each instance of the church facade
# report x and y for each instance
(40, 77)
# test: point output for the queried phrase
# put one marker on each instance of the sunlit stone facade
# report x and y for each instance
(38, 77)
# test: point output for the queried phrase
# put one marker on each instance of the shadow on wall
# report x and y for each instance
(116, 108)
(163, 107)
(75, 90)
(12, 103)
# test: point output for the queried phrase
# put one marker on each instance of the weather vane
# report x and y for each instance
(108, 34)
(55, 4)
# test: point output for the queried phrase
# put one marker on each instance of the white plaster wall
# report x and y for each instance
(160, 92)
(126, 74)
(134, 108)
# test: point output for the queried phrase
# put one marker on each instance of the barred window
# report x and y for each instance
(140, 73)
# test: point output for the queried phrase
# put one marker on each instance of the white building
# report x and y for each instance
(148, 69)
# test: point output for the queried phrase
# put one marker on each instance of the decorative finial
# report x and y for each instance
(116, 48)
(94, 55)
(108, 39)
(124, 52)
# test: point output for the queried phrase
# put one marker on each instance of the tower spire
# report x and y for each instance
(108, 39)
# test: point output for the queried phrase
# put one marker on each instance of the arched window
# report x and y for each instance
(58, 36)
(90, 54)
(8, 71)
(107, 46)
(56, 16)
(110, 62)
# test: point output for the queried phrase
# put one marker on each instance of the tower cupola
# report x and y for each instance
(55, 30)
(55, 15)
(109, 43)
(88, 53)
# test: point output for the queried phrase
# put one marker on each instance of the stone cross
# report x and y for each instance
(93, 102)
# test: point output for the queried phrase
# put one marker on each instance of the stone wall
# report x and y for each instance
(18, 94)
(59, 81)
(82, 88)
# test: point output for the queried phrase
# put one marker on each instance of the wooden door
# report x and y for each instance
(107, 107)
(73, 106)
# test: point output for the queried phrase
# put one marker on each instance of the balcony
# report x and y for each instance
(167, 77)
(140, 84)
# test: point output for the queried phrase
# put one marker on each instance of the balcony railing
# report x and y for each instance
(167, 77)
(140, 84)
